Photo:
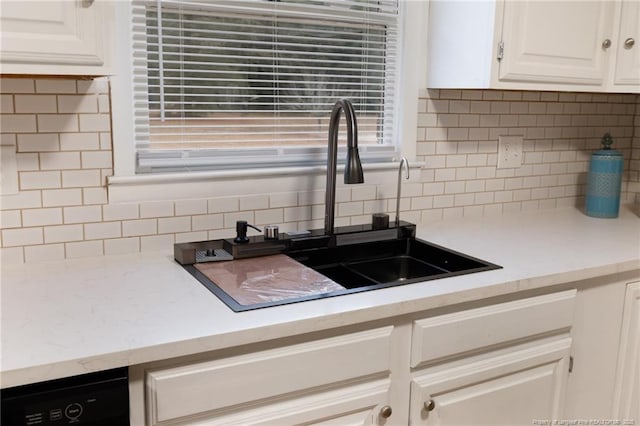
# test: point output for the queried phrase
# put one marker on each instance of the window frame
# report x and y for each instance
(412, 72)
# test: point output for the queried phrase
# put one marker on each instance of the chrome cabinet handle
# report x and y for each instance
(606, 43)
(429, 405)
(386, 412)
(628, 43)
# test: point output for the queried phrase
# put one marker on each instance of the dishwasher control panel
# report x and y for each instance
(95, 399)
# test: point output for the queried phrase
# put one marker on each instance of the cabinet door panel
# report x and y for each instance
(628, 57)
(357, 405)
(46, 33)
(216, 385)
(479, 328)
(556, 41)
(626, 403)
(507, 389)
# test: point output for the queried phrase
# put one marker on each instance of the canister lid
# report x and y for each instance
(606, 150)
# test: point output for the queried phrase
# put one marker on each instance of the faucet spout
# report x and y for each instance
(353, 167)
(404, 162)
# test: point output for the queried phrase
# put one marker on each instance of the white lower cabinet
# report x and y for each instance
(338, 380)
(626, 400)
(505, 363)
(512, 387)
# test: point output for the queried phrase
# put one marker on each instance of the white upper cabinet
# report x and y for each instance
(627, 70)
(534, 45)
(61, 37)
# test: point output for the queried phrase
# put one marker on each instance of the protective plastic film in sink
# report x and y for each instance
(266, 279)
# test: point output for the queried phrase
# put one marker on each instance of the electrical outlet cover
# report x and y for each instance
(509, 152)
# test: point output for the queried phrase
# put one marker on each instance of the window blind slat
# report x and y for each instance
(214, 76)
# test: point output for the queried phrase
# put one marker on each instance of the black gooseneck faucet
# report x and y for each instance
(353, 167)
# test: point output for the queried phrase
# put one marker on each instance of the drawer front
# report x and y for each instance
(200, 387)
(473, 329)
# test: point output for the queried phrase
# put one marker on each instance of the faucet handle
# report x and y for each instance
(241, 231)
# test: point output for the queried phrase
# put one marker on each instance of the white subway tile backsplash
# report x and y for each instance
(283, 199)
(187, 237)
(96, 159)
(16, 85)
(21, 237)
(131, 228)
(350, 209)
(297, 214)
(38, 142)
(254, 202)
(38, 217)
(79, 141)
(94, 195)
(10, 219)
(35, 104)
(57, 123)
(78, 104)
(104, 104)
(82, 214)
(56, 86)
(122, 246)
(63, 233)
(190, 207)
(80, 178)
(61, 197)
(102, 230)
(44, 253)
(174, 224)
(105, 141)
(223, 205)
(208, 221)
(157, 242)
(59, 160)
(39, 180)
(62, 132)
(11, 255)
(269, 217)
(120, 211)
(18, 123)
(94, 123)
(84, 249)
(27, 162)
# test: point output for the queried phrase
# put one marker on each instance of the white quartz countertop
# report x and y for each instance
(65, 318)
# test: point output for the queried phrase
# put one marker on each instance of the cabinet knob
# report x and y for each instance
(628, 43)
(429, 405)
(87, 3)
(386, 412)
(606, 43)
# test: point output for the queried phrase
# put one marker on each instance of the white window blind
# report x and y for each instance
(251, 83)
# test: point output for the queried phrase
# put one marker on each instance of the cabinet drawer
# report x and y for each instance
(206, 386)
(473, 329)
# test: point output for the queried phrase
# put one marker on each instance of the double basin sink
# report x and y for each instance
(355, 266)
(381, 264)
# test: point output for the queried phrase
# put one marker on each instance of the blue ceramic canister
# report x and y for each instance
(604, 181)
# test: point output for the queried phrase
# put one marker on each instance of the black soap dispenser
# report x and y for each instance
(241, 232)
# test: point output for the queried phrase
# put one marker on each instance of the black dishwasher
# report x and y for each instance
(94, 399)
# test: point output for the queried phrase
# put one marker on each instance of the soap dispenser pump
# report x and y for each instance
(241, 232)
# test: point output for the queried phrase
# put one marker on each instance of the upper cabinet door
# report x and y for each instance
(55, 37)
(627, 71)
(556, 41)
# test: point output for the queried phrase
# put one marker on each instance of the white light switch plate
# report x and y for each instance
(509, 152)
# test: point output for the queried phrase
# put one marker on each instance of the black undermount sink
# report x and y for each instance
(381, 264)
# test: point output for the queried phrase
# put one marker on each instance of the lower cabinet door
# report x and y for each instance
(516, 386)
(356, 405)
(626, 400)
